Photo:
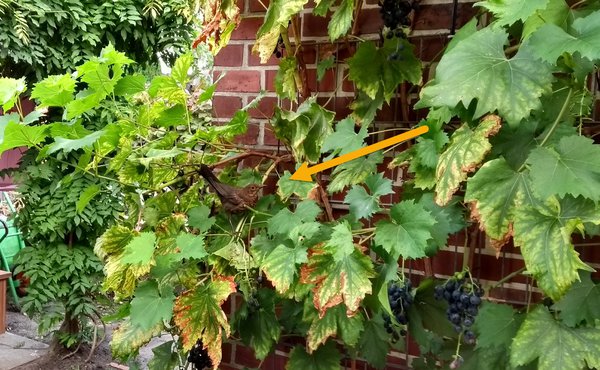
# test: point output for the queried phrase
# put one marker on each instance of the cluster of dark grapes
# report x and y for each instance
(395, 15)
(400, 298)
(464, 298)
(198, 357)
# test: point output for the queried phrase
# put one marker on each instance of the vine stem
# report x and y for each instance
(508, 277)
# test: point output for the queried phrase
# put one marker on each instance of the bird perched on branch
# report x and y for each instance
(233, 199)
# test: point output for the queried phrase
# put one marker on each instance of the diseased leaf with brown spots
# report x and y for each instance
(199, 315)
(466, 150)
(345, 280)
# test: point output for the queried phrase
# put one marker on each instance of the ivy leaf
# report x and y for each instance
(466, 150)
(323, 66)
(190, 246)
(260, 328)
(508, 12)
(198, 315)
(555, 345)
(128, 339)
(140, 249)
(373, 344)
(327, 357)
(477, 68)
(198, 217)
(581, 302)
(130, 85)
(346, 280)
(551, 41)
(363, 204)
(354, 172)
(285, 79)
(304, 130)
(54, 91)
(286, 187)
(341, 20)
(86, 196)
(496, 325)
(544, 235)
(344, 139)
(151, 306)
(278, 15)
(335, 323)
(573, 167)
(496, 192)
(164, 357)
(407, 233)
(341, 243)
(68, 145)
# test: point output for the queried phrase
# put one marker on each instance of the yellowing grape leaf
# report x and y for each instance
(128, 339)
(464, 154)
(198, 315)
(341, 20)
(337, 324)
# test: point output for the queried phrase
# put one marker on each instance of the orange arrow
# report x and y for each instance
(304, 172)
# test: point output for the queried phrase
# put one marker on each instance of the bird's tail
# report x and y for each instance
(212, 180)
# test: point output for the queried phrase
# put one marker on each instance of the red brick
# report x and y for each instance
(433, 17)
(430, 48)
(226, 352)
(274, 362)
(245, 356)
(230, 56)
(269, 136)
(247, 29)
(265, 108)
(340, 105)
(258, 6)
(369, 21)
(314, 26)
(251, 135)
(226, 106)
(254, 60)
(327, 83)
(239, 81)
(270, 79)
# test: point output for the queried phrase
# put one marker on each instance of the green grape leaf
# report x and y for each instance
(322, 7)
(496, 325)
(407, 232)
(323, 66)
(344, 139)
(448, 220)
(373, 344)
(477, 68)
(164, 357)
(54, 91)
(341, 20)
(140, 249)
(581, 302)
(346, 280)
(285, 221)
(198, 217)
(341, 243)
(198, 315)
(86, 196)
(544, 235)
(354, 172)
(496, 192)
(364, 109)
(280, 265)
(17, 135)
(508, 12)
(278, 15)
(573, 167)
(113, 241)
(374, 71)
(85, 101)
(236, 255)
(130, 85)
(10, 89)
(489, 358)
(556, 12)
(260, 328)
(180, 69)
(190, 246)
(326, 357)
(335, 323)
(285, 79)
(555, 345)
(363, 204)
(68, 145)
(550, 41)
(151, 306)
(127, 339)
(286, 187)
(304, 130)
(466, 151)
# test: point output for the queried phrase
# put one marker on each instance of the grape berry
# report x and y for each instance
(464, 298)
(400, 298)
(395, 15)
(199, 358)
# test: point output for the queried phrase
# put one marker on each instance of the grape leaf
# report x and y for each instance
(363, 204)
(285, 79)
(190, 246)
(286, 187)
(581, 302)
(163, 357)
(54, 91)
(496, 192)
(151, 306)
(335, 323)
(327, 357)
(489, 358)
(17, 135)
(496, 325)
(341, 243)
(284, 221)
(573, 167)
(364, 109)
(556, 12)
(346, 280)
(128, 339)
(344, 139)
(556, 345)
(140, 249)
(180, 69)
(508, 12)
(280, 265)
(260, 328)
(407, 232)
(130, 85)
(198, 217)
(354, 172)
(373, 344)
(10, 89)
(198, 315)
(278, 15)
(477, 68)
(341, 20)
(466, 150)
(550, 41)
(448, 220)
(323, 66)
(544, 235)
(68, 145)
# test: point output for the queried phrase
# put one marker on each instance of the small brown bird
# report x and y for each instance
(234, 199)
